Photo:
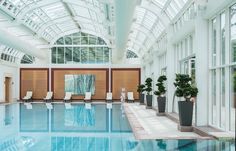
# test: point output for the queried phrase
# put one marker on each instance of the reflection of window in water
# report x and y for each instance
(8, 115)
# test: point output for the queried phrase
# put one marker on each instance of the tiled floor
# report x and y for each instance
(146, 125)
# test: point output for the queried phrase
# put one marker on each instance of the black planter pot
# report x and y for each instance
(161, 104)
(185, 113)
(149, 101)
(141, 97)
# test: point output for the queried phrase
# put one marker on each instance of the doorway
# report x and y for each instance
(7, 89)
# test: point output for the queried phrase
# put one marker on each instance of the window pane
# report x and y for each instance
(100, 41)
(54, 53)
(233, 32)
(68, 54)
(84, 40)
(106, 54)
(76, 54)
(214, 42)
(99, 56)
(233, 98)
(222, 37)
(76, 40)
(60, 41)
(84, 55)
(214, 109)
(92, 55)
(92, 40)
(60, 55)
(222, 97)
(68, 41)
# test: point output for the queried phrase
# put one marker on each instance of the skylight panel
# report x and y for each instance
(159, 3)
(81, 11)
(174, 7)
(141, 36)
(55, 10)
(93, 15)
(179, 3)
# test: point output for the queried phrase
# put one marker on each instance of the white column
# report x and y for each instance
(202, 71)
(170, 69)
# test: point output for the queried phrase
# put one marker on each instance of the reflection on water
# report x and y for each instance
(79, 129)
(22, 143)
(80, 116)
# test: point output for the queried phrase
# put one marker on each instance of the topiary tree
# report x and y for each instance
(140, 88)
(148, 84)
(184, 87)
(160, 84)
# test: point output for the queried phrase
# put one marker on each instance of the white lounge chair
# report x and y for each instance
(109, 97)
(67, 100)
(130, 96)
(28, 96)
(67, 97)
(48, 97)
(87, 97)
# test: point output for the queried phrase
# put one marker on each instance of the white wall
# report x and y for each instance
(13, 72)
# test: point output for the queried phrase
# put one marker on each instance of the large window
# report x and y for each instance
(222, 37)
(223, 69)
(233, 32)
(80, 48)
(233, 67)
(232, 97)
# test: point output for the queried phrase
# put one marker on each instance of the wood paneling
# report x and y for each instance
(125, 78)
(35, 80)
(101, 82)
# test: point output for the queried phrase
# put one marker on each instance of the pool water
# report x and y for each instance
(82, 129)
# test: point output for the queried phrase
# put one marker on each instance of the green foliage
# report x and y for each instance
(160, 84)
(141, 88)
(184, 87)
(148, 84)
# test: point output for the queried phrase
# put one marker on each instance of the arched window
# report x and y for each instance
(131, 54)
(80, 48)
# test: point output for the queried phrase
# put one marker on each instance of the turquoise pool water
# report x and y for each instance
(81, 129)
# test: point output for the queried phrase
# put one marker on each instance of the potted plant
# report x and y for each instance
(148, 89)
(161, 99)
(140, 90)
(188, 91)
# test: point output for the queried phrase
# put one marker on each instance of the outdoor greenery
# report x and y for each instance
(184, 87)
(160, 84)
(148, 84)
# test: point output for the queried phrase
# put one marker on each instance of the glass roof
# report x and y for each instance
(51, 19)
(10, 54)
(42, 22)
(150, 21)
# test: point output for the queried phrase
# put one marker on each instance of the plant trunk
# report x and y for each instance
(185, 113)
(141, 97)
(161, 104)
(149, 100)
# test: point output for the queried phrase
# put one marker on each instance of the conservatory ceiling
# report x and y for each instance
(123, 24)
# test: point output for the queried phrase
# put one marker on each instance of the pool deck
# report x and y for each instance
(147, 125)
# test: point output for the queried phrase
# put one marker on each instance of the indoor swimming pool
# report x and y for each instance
(83, 129)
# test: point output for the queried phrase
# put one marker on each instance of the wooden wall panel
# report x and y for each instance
(101, 82)
(35, 80)
(125, 78)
